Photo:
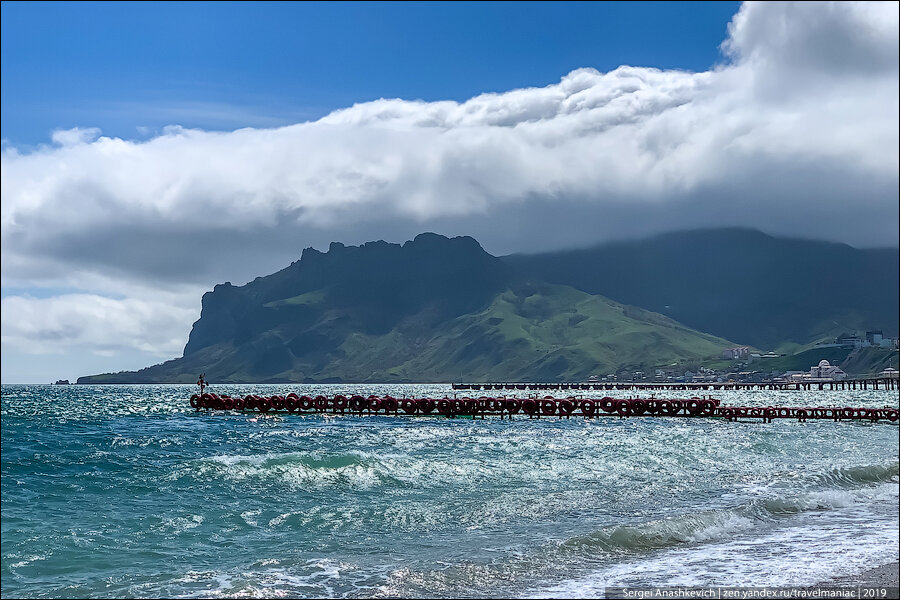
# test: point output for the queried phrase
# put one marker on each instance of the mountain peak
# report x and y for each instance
(376, 285)
(423, 242)
(437, 240)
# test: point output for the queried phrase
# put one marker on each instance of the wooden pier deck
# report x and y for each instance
(872, 383)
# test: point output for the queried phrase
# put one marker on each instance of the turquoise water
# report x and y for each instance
(126, 491)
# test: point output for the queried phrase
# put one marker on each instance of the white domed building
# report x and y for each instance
(825, 370)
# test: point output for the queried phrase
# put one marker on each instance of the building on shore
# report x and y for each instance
(736, 353)
(873, 339)
(849, 340)
(824, 371)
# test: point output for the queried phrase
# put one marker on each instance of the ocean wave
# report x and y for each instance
(274, 460)
(662, 533)
(799, 554)
(297, 469)
(836, 489)
(863, 474)
(354, 470)
(821, 500)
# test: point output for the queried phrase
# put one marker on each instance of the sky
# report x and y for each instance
(152, 150)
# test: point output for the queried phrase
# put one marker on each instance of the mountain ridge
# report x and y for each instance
(432, 309)
(440, 309)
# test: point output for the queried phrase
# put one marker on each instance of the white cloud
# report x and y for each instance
(834, 40)
(99, 324)
(798, 134)
(75, 136)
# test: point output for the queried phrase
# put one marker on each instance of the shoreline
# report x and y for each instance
(884, 576)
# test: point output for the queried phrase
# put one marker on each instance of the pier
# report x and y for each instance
(547, 407)
(871, 383)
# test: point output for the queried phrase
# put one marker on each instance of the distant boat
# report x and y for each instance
(62, 382)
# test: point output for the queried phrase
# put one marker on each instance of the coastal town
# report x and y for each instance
(743, 364)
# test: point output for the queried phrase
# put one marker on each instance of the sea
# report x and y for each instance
(125, 490)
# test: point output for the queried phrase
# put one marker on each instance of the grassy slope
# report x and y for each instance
(555, 333)
(870, 361)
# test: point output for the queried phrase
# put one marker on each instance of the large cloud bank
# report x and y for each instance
(795, 133)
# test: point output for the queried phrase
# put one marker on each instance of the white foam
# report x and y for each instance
(313, 578)
(275, 522)
(822, 546)
(248, 517)
(179, 525)
(28, 560)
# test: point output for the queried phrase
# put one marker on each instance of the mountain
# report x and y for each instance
(739, 284)
(432, 309)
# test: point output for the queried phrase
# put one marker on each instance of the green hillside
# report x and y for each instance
(870, 361)
(740, 284)
(538, 332)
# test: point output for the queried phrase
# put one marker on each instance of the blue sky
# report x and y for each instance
(120, 66)
(153, 150)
